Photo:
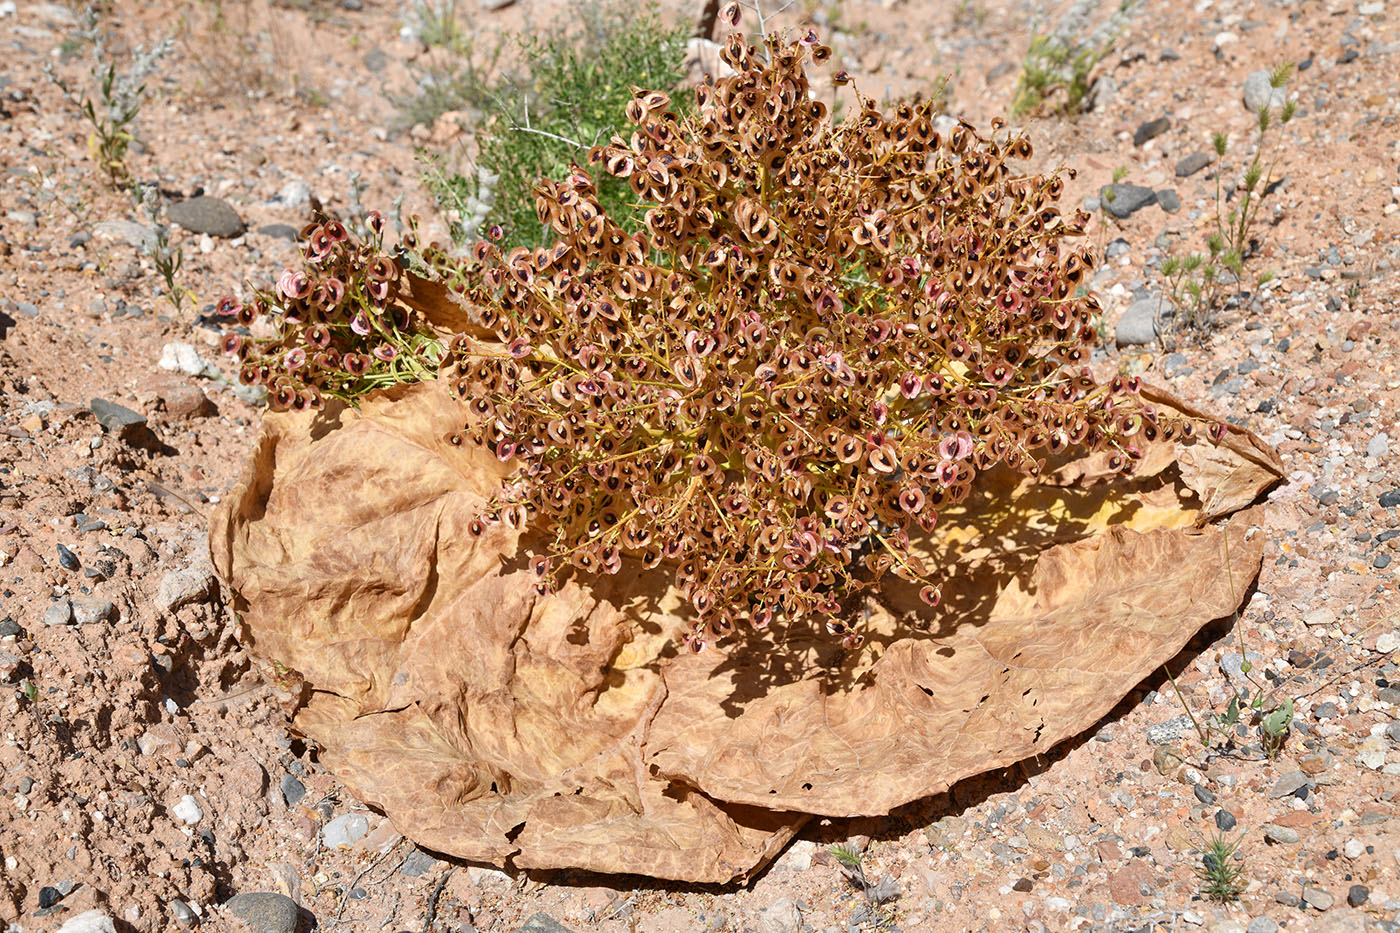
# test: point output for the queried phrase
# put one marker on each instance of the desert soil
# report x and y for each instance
(147, 774)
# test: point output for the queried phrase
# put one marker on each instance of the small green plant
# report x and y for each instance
(1273, 728)
(539, 123)
(1221, 871)
(111, 112)
(1055, 76)
(457, 71)
(167, 258)
(1198, 283)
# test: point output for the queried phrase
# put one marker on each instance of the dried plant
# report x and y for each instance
(823, 334)
(335, 333)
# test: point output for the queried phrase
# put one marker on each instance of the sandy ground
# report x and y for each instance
(146, 770)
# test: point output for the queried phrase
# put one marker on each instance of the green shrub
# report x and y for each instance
(1055, 75)
(539, 123)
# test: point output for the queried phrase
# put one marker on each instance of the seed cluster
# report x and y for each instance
(824, 333)
(335, 333)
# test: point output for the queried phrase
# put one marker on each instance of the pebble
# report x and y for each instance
(182, 587)
(8, 627)
(1164, 732)
(1232, 663)
(543, 923)
(10, 665)
(1204, 794)
(205, 214)
(1280, 834)
(1166, 759)
(1259, 93)
(60, 612)
(1390, 499)
(1288, 899)
(1193, 164)
(88, 610)
(292, 790)
(187, 810)
(1168, 200)
(1224, 820)
(1261, 925)
(1151, 130)
(184, 358)
(1317, 898)
(1392, 731)
(781, 916)
(182, 913)
(265, 911)
(67, 559)
(1358, 894)
(1378, 447)
(1138, 325)
(279, 232)
(1122, 200)
(1289, 784)
(92, 921)
(417, 864)
(344, 830)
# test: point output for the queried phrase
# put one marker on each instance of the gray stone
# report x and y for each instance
(204, 214)
(1168, 731)
(1193, 164)
(1378, 447)
(182, 913)
(10, 665)
(1317, 898)
(60, 612)
(495, 4)
(292, 790)
(88, 610)
(1224, 820)
(1258, 93)
(140, 236)
(1151, 130)
(543, 923)
(376, 60)
(1232, 662)
(1280, 834)
(182, 587)
(265, 911)
(1121, 200)
(345, 830)
(118, 419)
(1392, 731)
(417, 864)
(279, 231)
(1167, 199)
(1288, 784)
(1358, 894)
(1174, 363)
(1138, 325)
(1261, 925)
(1115, 248)
(1288, 899)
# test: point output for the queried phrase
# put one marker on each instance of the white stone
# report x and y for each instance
(187, 810)
(92, 921)
(1372, 754)
(781, 916)
(184, 358)
(345, 830)
(1387, 642)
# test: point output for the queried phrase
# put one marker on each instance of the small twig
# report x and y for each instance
(433, 899)
(366, 870)
(563, 139)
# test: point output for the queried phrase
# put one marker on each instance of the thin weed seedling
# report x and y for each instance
(168, 259)
(1221, 871)
(1198, 283)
